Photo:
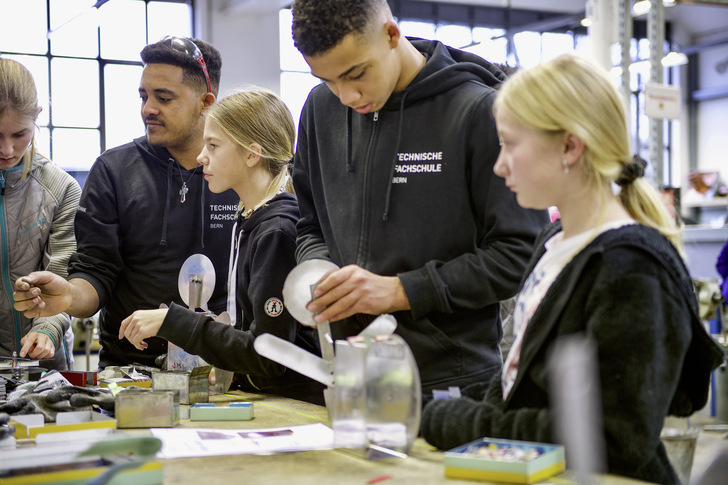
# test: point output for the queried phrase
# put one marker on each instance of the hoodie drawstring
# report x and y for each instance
(385, 216)
(202, 211)
(233, 275)
(163, 241)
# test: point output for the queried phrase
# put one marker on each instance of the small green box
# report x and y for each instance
(504, 461)
(236, 411)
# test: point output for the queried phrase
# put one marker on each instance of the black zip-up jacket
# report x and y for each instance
(410, 191)
(134, 235)
(267, 242)
(631, 294)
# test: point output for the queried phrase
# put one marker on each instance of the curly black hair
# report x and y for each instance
(162, 53)
(319, 25)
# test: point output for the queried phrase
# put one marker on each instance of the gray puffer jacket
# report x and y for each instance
(36, 225)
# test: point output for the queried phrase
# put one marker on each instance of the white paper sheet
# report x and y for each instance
(188, 442)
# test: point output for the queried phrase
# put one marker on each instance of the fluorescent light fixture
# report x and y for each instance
(673, 59)
(639, 66)
(643, 6)
(586, 22)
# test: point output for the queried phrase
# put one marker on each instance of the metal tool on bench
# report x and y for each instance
(21, 369)
(373, 390)
(196, 284)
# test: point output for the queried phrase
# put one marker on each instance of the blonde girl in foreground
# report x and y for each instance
(610, 270)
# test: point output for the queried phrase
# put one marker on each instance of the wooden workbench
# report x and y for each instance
(424, 466)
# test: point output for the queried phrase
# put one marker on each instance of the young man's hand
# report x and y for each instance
(350, 290)
(42, 294)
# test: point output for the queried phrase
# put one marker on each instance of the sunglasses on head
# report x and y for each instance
(189, 48)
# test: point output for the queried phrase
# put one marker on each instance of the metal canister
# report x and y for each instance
(720, 389)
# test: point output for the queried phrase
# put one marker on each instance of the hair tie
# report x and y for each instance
(631, 171)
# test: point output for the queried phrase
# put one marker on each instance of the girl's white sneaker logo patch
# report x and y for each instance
(273, 307)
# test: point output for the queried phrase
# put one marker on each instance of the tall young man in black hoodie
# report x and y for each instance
(394, 175)
(145, 208)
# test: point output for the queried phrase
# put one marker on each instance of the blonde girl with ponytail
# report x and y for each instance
(571, 101)
(609, 271)
(262, 127)
(249, 142)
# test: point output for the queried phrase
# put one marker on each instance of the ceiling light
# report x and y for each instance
(673, 59)
(643, 6)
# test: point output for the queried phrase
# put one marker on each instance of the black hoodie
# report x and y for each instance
(265, 247)
(410, 191)
(134, 235)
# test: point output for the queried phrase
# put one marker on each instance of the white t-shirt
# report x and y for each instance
(559, 252)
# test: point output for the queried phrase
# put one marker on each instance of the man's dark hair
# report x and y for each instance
(319, 25)
(162, 53)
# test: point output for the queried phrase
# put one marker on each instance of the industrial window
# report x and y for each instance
(84, 56)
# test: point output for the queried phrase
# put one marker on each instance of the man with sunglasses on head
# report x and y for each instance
(145, 209)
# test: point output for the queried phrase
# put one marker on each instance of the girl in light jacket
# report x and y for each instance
(38, 203)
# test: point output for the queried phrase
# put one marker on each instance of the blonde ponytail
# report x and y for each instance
(569, 94)
(258, 116)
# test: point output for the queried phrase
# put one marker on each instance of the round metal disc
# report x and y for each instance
(197, 264)
(297, 288)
